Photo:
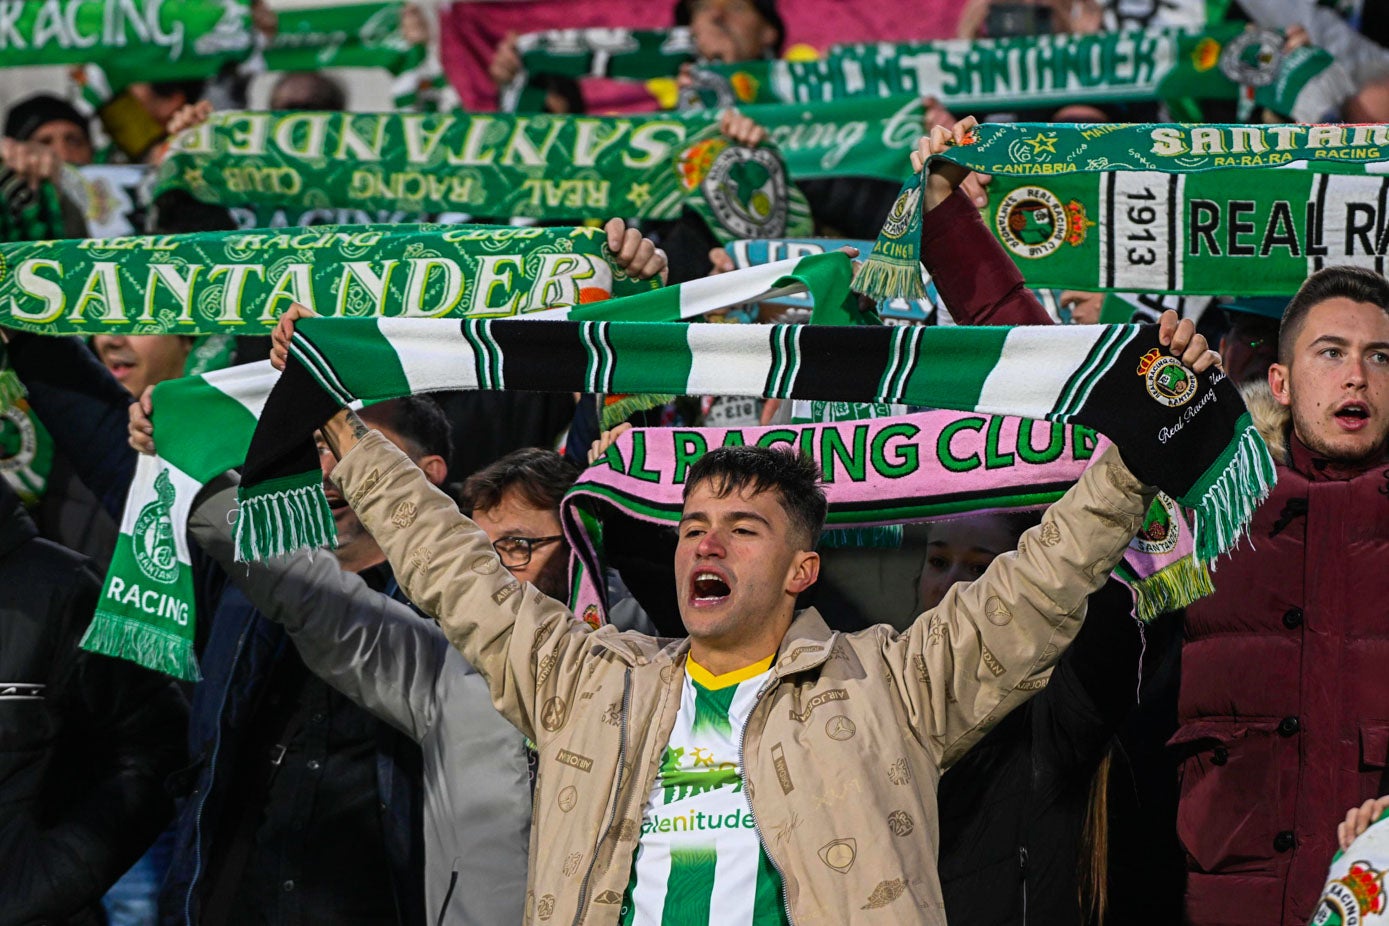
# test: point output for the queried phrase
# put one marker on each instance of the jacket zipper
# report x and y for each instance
(617, 794)
(211, 777)
(742, 741)
(1022, 864)
(448, 895)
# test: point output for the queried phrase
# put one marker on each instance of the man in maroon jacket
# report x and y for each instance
(1284, 705)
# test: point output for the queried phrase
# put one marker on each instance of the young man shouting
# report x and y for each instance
(766, 769)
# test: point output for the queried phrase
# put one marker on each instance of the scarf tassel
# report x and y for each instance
(283, 516)
(11, 389)
(884, 278)
(1171, 588)
(123, 638)
(1233, 488)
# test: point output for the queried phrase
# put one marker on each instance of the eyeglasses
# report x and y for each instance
(515, 552)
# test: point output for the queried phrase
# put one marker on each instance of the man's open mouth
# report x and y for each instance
(335, 501)
(709, 588)
(120, 368)
(1353, 415)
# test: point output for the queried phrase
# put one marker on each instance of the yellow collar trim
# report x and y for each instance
(711, 682)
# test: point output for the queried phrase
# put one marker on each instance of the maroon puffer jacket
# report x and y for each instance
(1284, 703)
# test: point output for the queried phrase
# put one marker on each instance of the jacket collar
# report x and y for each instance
(808, 643)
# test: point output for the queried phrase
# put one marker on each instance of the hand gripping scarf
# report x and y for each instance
(542, 166)
(1185, 209)
(1225, 62)
(887, 471)
(203, 426)
(240, 282)
(1188, 435)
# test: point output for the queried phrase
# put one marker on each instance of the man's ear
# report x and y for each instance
(435, 469)
(805, 570)
(1280, 382)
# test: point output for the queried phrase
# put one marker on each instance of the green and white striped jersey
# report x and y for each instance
(700, 860)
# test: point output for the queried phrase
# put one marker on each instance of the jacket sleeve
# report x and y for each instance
(372, 648)
(83, 407)
(122, 736)
(966, 663)
(448, 568)
(975, 277)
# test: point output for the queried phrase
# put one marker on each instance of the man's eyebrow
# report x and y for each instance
(694, 516)
(1335, 340)
(748, 516)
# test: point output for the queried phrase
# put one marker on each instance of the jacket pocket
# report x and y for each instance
(1231, 799)
(1374, 745)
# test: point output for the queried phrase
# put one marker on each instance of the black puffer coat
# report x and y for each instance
(85, 741)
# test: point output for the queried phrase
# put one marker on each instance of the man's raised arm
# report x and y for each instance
(446, 565)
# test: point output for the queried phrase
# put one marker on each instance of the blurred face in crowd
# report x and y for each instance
(1336, 380)
(141, 360)
(959, 551)
(356, 547)
(66, 139)
(513, 516)
(730, 30)
(739, 565)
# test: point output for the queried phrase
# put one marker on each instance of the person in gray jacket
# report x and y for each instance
(393, 662)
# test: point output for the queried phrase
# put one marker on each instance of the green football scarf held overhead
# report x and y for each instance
(624, 54)
(359, 35)
(1194, 209)
(240, 282)
(1054, 70)
(543, 167)
(1189, 435)
(149, 39)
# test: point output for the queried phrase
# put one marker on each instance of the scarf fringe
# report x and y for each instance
(619, 411)
(882, 537)
(1226, 506)
(11, 389)
(884, 278)
(282, 517)
(137, 641)
(1171, 588)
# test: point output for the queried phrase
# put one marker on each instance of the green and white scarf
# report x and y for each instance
(1220, 63)
(203, 426)
(543, 167)
(27, 214)
(1194, 209)
(1189, 435)
(132, 40)
(623, 54)
(355, 35)
(240, 282)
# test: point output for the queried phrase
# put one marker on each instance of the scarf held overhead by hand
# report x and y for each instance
(541, 166)
(897, 470)
(1189, 435)
(1209, 209)
(1055, 70)
(240, 282)
(203, 426)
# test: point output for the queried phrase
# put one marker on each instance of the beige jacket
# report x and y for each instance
(844, 748)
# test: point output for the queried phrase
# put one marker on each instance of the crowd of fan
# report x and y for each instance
(343, 762)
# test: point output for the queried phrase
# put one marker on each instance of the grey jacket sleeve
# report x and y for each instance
(375, 650)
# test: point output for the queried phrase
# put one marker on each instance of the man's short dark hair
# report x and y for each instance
(539, 476)
(32, 113)
(192, 90)
(308, 90)
(1354, 283)
(794, 476)
(418, 420)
